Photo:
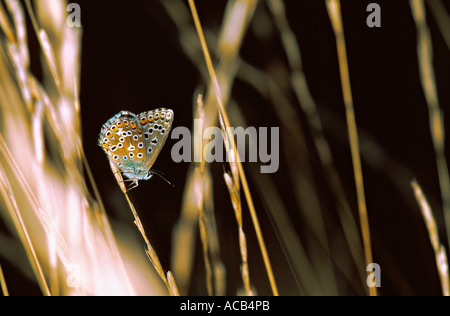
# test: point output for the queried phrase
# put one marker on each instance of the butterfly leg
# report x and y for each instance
(133, 185)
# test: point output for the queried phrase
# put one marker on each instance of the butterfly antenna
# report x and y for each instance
(160, 174)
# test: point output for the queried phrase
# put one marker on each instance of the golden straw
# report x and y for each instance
(3, 283)
(151, 254)
(239, 164)
(334, 11)
(439, 249)
(425, 59)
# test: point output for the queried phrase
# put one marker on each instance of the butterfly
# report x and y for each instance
(133, 142)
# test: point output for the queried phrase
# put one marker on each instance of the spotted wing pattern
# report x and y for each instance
(133, 142)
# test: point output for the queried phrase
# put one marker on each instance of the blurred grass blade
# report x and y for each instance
(428, 80)
(3, 283)
(439, 249)
(442, 18)
(334, 11)
(222, 111)
(12, 206)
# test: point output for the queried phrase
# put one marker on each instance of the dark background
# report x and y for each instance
(132, 60)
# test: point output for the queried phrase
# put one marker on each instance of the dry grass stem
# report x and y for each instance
(183, 235)
(44, 198)
(151, 254)
(198, 208)
(439, 249)
(334, 11)
(236, 202)
(234, 25)
(302, 92)
(218, 93)
(200, 169)
(266, 85)
(437, 129)
(200, 172)
(3, 283)
(172, 285)
(16, 216)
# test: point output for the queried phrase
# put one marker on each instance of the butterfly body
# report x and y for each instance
(133, 142)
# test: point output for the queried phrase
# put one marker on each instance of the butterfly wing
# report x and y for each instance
(155, 125)
(117, 138)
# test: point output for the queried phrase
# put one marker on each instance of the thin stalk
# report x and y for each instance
(439, 249)
(11, 205)
(334, 12)
(436, 119)
(151, 254)
(222, 111)
(3, 283)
